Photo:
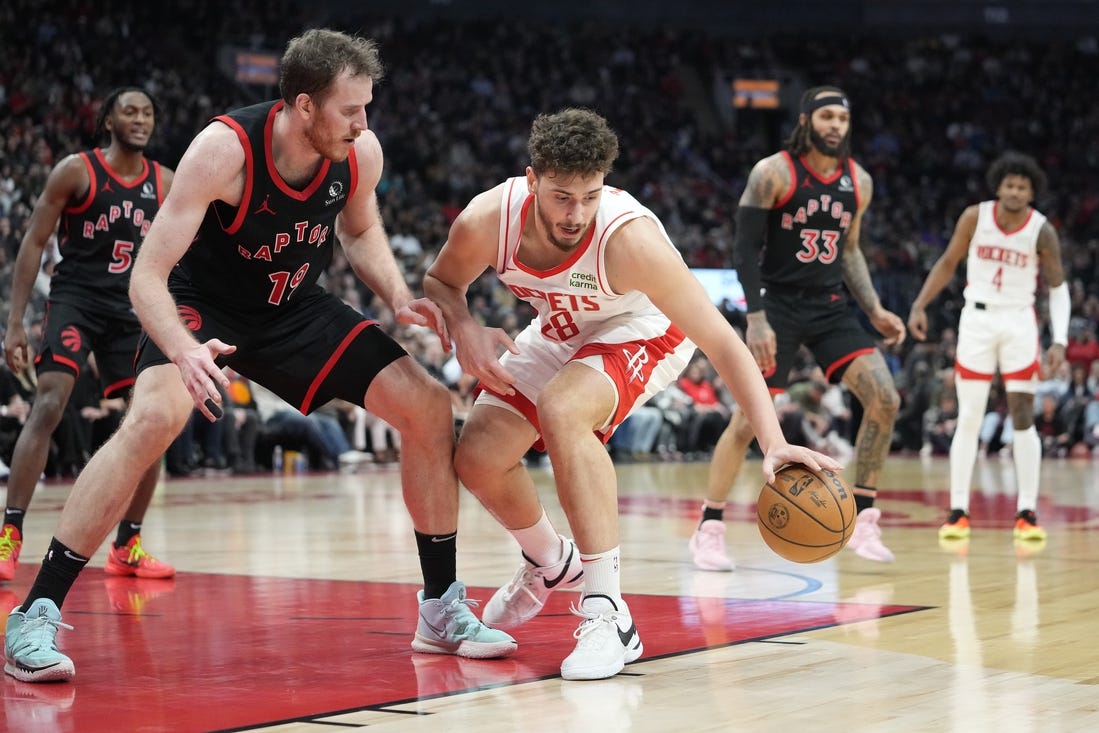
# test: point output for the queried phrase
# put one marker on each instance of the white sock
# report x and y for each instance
(1027, 451)
(540, 542)
(601, 578)
(972, 401)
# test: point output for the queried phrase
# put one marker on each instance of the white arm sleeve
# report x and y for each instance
(1060, 309)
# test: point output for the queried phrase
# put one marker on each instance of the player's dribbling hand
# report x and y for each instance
(780, 455)
(201, 376)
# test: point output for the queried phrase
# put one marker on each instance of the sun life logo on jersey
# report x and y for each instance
(846, 184)
(335, 193)
(148, 191)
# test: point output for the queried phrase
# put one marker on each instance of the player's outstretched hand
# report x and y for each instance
(202, 376)
(478, 349)
(424, 312)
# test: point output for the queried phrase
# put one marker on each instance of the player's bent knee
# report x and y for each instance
(152, 426)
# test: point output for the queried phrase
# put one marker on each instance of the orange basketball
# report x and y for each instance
(805, 515)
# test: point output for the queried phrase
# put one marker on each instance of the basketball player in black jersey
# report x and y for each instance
(228, 277)
(105, 199)
(797, 245)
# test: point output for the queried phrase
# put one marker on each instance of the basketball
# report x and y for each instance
(805, 515)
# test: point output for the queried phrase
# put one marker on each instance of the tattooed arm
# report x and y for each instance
(767, 183)
(857, 275)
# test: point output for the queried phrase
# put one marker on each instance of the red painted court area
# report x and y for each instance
(216, 652)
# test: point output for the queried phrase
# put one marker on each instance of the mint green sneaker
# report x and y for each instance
(447, 626)
(30, 649)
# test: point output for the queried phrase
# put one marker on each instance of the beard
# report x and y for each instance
(319, 137)
(552, 237)
(823, 147)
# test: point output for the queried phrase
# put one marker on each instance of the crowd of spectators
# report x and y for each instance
(930, 113)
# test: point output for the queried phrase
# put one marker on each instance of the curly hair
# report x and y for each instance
(799, 142)
(101, 132)
(1013, 163)
(572, 142)
(313, 61)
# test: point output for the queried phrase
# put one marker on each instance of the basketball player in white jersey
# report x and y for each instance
(616, 306)
(1004, 242)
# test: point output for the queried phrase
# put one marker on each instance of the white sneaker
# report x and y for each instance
(520, 600)
(707, 546)
(866, 539)
(354, 457)
(606, 641)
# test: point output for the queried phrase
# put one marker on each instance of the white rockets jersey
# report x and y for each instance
(574, 299)
(1002, 268)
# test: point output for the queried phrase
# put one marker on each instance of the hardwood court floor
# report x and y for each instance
(295, 604)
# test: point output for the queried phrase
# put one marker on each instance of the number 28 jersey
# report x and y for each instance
(1002, 267)
(574, 300)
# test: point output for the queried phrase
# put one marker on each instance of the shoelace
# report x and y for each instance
(523, 581)
(137, 553)
(38, 633)
(460, 607)
(8, 546)
(592, 621)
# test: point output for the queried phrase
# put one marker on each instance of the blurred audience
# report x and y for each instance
(932, 110)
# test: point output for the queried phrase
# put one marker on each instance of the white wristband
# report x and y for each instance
(1060, 310)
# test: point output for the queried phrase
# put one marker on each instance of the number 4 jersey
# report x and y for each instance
(1002, 268)
(575, 299)
(99, 237)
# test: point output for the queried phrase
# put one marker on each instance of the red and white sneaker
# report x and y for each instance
(133, 560)
(11, 542)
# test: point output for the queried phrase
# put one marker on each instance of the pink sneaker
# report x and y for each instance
(707, 546)
(133, 560)
(866, 539)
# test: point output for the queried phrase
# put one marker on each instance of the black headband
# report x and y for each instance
(814, 104)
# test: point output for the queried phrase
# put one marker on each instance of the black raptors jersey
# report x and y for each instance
(99, 237)
(270, 249)
(807, 229)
